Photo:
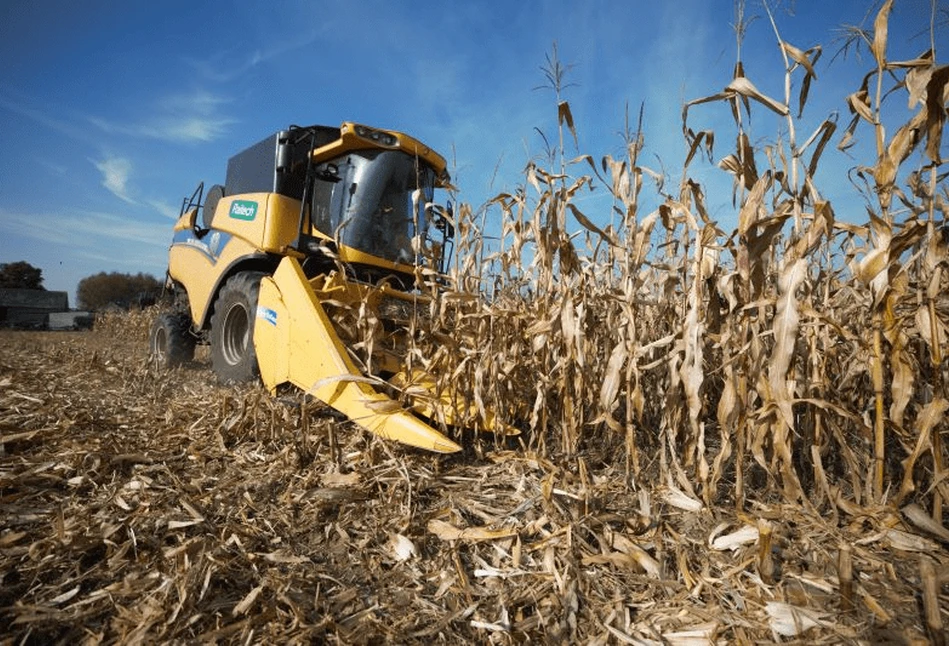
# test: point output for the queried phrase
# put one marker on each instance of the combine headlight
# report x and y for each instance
(383, 138)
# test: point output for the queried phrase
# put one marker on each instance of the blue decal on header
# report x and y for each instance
(267, 314)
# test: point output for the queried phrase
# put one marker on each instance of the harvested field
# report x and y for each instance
(141, 507)
(726, 436)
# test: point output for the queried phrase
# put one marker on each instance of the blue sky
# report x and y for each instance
(110, 113)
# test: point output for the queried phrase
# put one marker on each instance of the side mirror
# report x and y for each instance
(188, 220)
(328, 172)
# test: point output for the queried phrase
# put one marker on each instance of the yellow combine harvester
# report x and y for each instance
(310, 221)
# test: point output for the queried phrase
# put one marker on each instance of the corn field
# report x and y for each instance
(798, 357)
(725, 436)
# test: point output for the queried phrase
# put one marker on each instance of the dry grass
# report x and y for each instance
(727, 437)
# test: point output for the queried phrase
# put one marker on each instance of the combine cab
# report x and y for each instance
(310, 221)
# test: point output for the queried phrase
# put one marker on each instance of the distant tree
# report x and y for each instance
(21, 275)
(118, 290)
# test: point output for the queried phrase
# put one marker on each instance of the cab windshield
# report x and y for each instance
(378, 206)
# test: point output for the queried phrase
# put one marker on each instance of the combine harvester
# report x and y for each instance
(312, 221)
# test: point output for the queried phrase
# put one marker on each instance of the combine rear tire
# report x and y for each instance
(232, 328)
(171, 342)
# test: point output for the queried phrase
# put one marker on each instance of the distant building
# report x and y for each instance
(71, 320)
(30, 308)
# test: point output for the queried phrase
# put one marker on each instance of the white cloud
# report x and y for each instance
(192, 117)
(182, 129)
(191, 129)
(198, 102)
(220, 67)
(88, 230)
(115, 175)
(21, 106)
(166, 209)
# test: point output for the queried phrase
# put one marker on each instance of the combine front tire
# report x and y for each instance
(232, 328)
(171, 342)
